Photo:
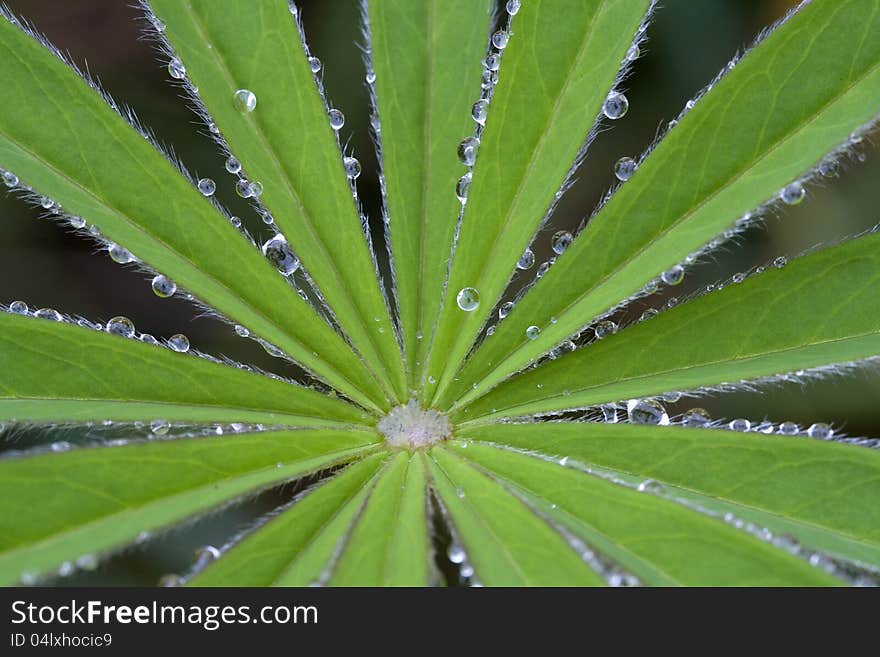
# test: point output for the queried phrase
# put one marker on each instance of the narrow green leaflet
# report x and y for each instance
(297, 546)
(794, 98)
(389, 545)
(54, 372)
(555, 74)
(287, 145)
(822, 493)
(505, 542)
(104, 498)
(100, 168)
(817, 310)
(680, 545)
(426, 59)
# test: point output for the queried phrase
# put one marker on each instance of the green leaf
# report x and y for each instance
(794, 98)
(660, 541)
(389, 545)
(102, 169)
(298, 546)
(287, 145)
(55, 372)
(507, 544)
(426, 57)
(92, 500)
(823, 493)
(557, 69)
(818, 310)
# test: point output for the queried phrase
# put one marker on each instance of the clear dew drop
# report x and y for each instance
(649, 486)
(241, 331)
(456, 554)
(233, 165)
(480, 111)
(780, 262)
(624, 168)
(820, 430)
(561, 241)
(120, 326)
(120, 254)
(526, 260)
(605, 328)
(467, 150)
(788, 428)
(206, 554)
(672, 396)
(159, 427)
(533, 332)
(244, 100)
(235, 221)
(673, 276)
(76, 222)
(10, 179)
(793, 194)
(279, 253)
(370, 76)
(314, 64)
(352, 167)
(87, 562)
(337, 119)
(243, 188)
(256, 188)
(615, 105)
(158, 24)
(646, 411)
(513, 6)
(632, 54)
(463, 186)
(46, 203)
(504, 309)
(179, 343)
(468, 299)
(163, 286)
(492, 62)
(149, 339)
(207, 187)
(740, 424)
(176, 69)
(490, 79)
(543, 268)
(18, 307)
(829, 168)
(696, 417)
(500, 39)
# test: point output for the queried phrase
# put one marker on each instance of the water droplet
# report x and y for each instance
(615, 105)
(256, 188)
(241, 331)
(279, 253)
(352, 167)
(159, 427)
(504, 309)
(163, 286)
(632, 53)
(533, 332)
(207, 187)
(18, 307)
(526, 260)
(459, 491)
(10, 179)
(337, 119)
(561, 241)
(820, 430)
(371, 76)
(76, 222)
(149, 339)
(46, 203)
(649, 486)
(314, 64)
(176, 69)
(740, 424)
(243, 188)
(233, 165)
(120, 254)
(480, 111)
(158, 24)
(646, 411)
(468, 299)
(648, 314)
(780, 262)
(624, 168)
(605, 328)
(793, 194)
(490, 79)
(244, 100)
(120, 326)
(609, 413)
(500, 39)
(235, 221)
(206, 554)
(179, 342)
(829, 168)
(673, 276)
(513, 6)
(60, 446)
(467, 150)
(696, 417)
(463, 187)
(213, 129)
(456, 554)
(87, 562)
(492, 62)
(788, 429)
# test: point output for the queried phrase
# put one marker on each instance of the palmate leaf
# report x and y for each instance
(795, 97)
(816, 311)
(93, 500)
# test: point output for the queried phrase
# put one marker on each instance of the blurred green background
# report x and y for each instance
(689, 42)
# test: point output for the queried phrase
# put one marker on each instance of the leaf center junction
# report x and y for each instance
(410, 427)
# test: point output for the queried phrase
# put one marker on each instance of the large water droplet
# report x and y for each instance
(615, 105)
(121, 326)
(456, 554)
(207, 187)
(337, 119)
(561, 241)
(163, 286)
(788, 429)
(632, 53)
(244, 100)
(179, 342)
(352, 167)
(820, 430)
(500, 39)
(243, 188)
(492, 62)
(740, 424)
(467, 150)
(504, 309)
(533, 332)
(463, 187)
(279, 253)
(526, 260)
(480, 111)
(513, 6)
(18, 307)
(646, 411)
(10, 179)
(314, 64)
(233, 165)
(468, 299)
(120, 254)
(696, 417)
(605, 328)
(48, 313)
(624, 168)
(176, 69)
(793, 194)
(673, 276)
(241, 331)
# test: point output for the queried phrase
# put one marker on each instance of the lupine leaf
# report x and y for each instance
(795, 97)
(103, 498)
(656, 539)
(288, 146)
(817, 310)
(426, 58)
(98, 167)
(555, 74)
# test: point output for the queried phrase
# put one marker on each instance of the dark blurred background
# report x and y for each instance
(689, 42)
